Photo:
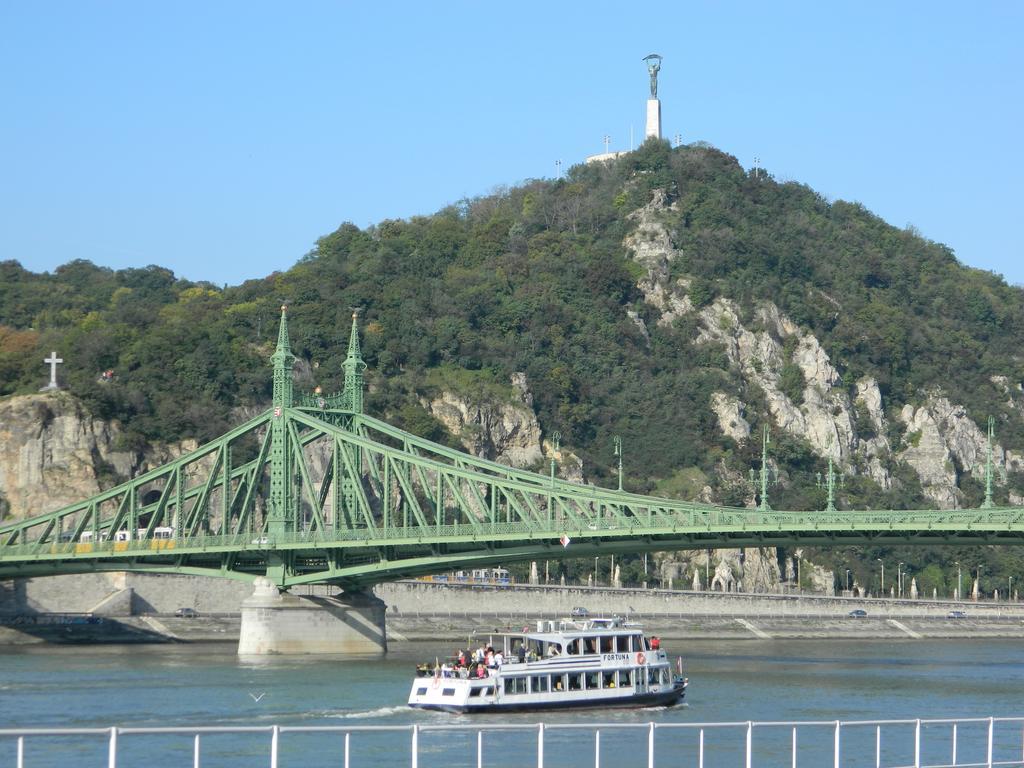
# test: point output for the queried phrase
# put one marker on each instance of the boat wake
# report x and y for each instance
(371, 713)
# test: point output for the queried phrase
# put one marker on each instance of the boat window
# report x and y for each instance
(652, 675)
(473, 692)
(447, 691)
(590, 645)
(627, 678)
(515, 685)
(575, 681)
(608, 644)
(590, 681)
(608, 680)
(664, 677)
(539, 684)
(421, 691)
(559, 682)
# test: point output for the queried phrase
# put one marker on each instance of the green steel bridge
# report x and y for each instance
(315, 491)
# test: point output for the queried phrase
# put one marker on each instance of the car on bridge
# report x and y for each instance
(579, 613)
(858, 613)
(186, 613)
(956, 615)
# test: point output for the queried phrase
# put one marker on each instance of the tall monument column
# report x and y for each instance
(653, 104)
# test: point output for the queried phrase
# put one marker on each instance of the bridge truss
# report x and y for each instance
(315, 491)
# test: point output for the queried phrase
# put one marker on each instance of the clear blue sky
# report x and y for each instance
(221, 139)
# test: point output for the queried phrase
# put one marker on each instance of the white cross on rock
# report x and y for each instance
(52, 361)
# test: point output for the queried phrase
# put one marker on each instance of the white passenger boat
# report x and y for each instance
(565, 664)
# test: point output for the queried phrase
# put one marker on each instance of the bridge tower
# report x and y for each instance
(352, 395)
(352, 401)
(279, 511)
(274, 621)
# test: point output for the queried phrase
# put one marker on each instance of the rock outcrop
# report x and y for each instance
(53, 452)
(729, 570)
(940, 441)
(507, 432)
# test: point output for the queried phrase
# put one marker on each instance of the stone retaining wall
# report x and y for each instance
(418, 597)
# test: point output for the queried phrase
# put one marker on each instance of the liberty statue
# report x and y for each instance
(653, 67)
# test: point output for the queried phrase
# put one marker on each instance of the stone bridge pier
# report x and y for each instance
(278, 623)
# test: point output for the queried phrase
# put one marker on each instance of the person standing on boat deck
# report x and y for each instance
(655, 643)
(499, 659)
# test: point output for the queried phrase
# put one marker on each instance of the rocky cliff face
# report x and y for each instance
(939, 440)
(507, 432)
(54, 453)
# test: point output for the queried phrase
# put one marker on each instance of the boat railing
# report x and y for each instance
(909, 743)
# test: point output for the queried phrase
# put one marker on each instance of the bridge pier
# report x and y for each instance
(279, 623)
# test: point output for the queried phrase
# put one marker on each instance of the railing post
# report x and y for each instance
(275, 733)
(195, 752)
(479, 749)
(348, 737)
(835, 749)
(700, 750)
(415, 746)
(20, 763)
(793, 762)
(112, 749)
(650, 746)
(540, 745)
(878, 746)
(750, 745)
(597, 748)
(954, 743)
(991, 729)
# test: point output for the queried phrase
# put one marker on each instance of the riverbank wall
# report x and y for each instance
(140, 608)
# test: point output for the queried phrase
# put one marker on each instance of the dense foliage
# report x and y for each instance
(535, 279)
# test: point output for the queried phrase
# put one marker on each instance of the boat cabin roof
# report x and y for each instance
(569, 629)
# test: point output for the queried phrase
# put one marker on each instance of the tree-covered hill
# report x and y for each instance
(536, 279)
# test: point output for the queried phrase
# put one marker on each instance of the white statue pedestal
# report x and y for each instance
(653, 119)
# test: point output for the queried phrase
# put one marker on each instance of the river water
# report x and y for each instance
(207, 684)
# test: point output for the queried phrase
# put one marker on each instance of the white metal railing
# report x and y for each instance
(918, 743)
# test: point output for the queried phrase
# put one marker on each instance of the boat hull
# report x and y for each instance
(666, 698)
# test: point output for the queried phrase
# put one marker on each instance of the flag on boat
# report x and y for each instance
(564, 541)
